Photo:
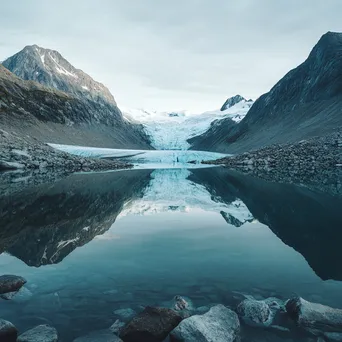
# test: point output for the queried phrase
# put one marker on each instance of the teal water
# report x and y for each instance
(91, 244)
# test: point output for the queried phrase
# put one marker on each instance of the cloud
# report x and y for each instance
(180, 54)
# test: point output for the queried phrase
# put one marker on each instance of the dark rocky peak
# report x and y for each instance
(232, 101)
(51, 69)
(318, 78)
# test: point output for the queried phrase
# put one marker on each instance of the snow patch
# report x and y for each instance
(60, 69)
(85, 87)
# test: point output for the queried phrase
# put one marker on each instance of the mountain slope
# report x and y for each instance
(68, 107)
(49, 68)
(171, 130)
(306, 102)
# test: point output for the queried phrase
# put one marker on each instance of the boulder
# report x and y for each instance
(151, 325)
(11, 283)
(254, 312)
(99, 336)
(41, 333)
(219, 324)
(313, 316)
(8, 332)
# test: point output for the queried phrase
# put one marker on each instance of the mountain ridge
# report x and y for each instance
(292, 110)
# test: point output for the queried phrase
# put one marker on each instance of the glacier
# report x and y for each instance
(152, 159)
(171, 130)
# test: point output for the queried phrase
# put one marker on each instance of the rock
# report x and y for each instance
(313, 316)
(182, 303)
(22, 295)
(116, 327)
(125, 314)
(11, 283)
(8, 332)
(332, 337)
(254, 312)
(151, 325)
(219, 324)
(99, 336)
(41, 333)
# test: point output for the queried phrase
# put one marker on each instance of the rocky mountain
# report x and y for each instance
(47, 98)
(306, 102)
(48, 67)
(51, 220)
(232, 101)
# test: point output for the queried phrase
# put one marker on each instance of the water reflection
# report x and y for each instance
(146, 236)
(309, 221)
(43, 224)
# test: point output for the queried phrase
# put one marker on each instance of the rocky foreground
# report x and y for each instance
(24, 153)
(315, 162)
(292, 320)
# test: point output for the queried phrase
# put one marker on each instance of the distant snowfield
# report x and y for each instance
(171, 130)
(153, 159)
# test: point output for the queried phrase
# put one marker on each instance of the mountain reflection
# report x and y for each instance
(307, 220)
(43, 224)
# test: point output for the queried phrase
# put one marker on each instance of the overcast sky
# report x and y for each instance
(171, 55)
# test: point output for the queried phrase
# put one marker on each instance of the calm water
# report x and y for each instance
(90, 244)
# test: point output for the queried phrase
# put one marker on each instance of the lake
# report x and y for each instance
(90, 244)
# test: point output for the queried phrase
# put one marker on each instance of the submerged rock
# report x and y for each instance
(125, 314)
(182, 303)
(116, 327)
(8, 332)
(151, 325)
(313, 316)
(21, 295)
(99, 336)
(11, 283)
(219, 324)
(41, 333)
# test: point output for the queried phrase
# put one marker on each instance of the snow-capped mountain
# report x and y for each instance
(55, 102)
(171, 130)
(48, 67)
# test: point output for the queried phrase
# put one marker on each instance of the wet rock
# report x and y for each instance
(313, 316)
(23, 295)
(116, 327)
(11, 283)
(182, 303)
(219, 324)
(254, 312)
(151, 325)
(99, 336)
(125, 314)
(332, 337)
(41, 333)
(8, 332)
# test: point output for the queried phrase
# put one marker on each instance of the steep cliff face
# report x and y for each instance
(62, 104)
(304, 103)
